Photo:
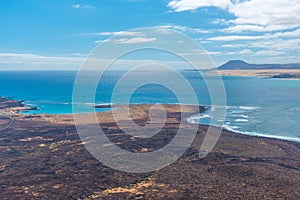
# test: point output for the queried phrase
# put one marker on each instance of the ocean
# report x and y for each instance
(255, 105)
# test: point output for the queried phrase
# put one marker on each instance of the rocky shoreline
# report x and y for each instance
(42, 157)
(286, 76)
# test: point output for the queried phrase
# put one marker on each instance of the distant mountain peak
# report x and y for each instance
(235, 64)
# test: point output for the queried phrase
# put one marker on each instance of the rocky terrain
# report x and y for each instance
(42, 157)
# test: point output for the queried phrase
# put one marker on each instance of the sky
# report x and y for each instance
(52, 34)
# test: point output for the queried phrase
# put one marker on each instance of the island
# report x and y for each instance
(242, 68)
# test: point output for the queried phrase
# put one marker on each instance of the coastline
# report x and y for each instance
(294, 74)
(17, 107)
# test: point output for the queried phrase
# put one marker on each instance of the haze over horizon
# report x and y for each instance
(39, 35)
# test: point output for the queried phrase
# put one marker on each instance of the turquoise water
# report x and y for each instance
(255, 106)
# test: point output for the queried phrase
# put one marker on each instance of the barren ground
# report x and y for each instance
(42, 157)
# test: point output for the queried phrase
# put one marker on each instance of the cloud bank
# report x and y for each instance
(250, 15)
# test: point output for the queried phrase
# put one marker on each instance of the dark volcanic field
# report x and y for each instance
(42, 157)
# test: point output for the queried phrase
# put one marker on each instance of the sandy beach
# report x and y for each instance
(42, 157)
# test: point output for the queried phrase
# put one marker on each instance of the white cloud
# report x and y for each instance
(119, 33)
(14, 61)
(12, 58)
(166, 29)
(197, 52)
(214, 53)
(135, 40)
(266, 49)
(235, 37)
(251, 15)
(269, 14)
(134, 37)
(263, 53)
(78, 6)
(124, 37)
(185, 5)
(76, 55)
(293, 33)
(233, 45)
(162, 29)
(246, 51)
(140, 37)
(220, 21)
(280, 59)
(285, 34)
(255, 28)
(270, 53)
(278, 44)
(100, 41)
(202, 41)
(264, 29)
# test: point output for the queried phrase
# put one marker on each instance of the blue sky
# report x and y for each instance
(52, 34)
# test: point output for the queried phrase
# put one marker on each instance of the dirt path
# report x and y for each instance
(12, 120)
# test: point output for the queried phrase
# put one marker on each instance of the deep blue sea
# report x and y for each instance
(255, 106)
